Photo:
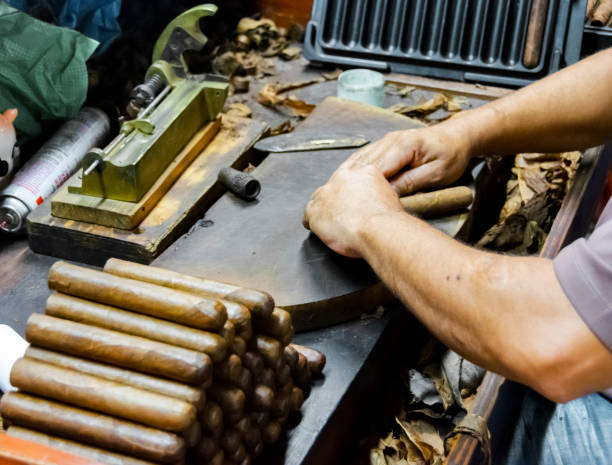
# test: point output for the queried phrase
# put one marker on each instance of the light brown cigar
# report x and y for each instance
(262, 398)
(283, 374)
(238, 347)
(93, 453)
(194, 396)
(104, 316)
(192, 435)
(239, 315)
(229, 369)
(271, 432)
(296, 399)
(316, 360)
(212, 417)
(259, 419)
(269, 348)
(277, 325)
(245, 382)
(243, 425)
(150, 299)
(256, 301)
(92, 428)
(228, 332)
(254, 362)
(238, 455)
(437, 203)
(101, 395)
(281, 406)
(267, 377)
(602, 14)
(118, 349)
(230, 441)
(291, 356)
(252, 438)
(231, 399)
(535, 33)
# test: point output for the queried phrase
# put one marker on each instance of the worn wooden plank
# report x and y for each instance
(183, 204)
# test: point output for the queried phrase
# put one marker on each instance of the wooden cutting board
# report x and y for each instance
(262, 244)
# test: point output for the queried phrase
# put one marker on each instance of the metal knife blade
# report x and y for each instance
(299, 143)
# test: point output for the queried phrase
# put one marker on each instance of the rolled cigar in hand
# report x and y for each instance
(118, 349)
(269, 348)
(158, 301)
(101, 395)
(316, 360)
(212, 418)
(229, 369)
(92, 428)
(256, 301)
(104, 316)
(93, 453)
(438, 203)
(277, 325)
(254, 362)
(231, 399)
(238, 347)
(262, 398)
(271, 432)
(194, 396)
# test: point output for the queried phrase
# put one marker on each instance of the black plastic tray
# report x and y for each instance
(466, 40)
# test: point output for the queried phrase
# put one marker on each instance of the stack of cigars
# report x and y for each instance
(136, 365)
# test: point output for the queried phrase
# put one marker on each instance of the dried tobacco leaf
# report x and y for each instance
(290, 53)
(438, 101)
(425, 437)
(239, 109)
(399, 89)
(285, 127)
(270, 96)
(332, 75)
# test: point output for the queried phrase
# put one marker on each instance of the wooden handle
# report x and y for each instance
(437, 203)
(535, 33)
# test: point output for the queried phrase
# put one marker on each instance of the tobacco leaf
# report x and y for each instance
(438, 101)
(332, 75)
(239, 109)
(270, 96)
(249, 24)
(399, 89)
(424, 436)
(290, 53)
(283, 128)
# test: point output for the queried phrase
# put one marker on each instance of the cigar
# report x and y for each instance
(271, 432)
(218, 458)
(229, 369)
(267, 377)
(92, 453)
(281, 406)
(190, 394)
(286, 388)
(239, 315)
(228, 332)
(316, 360)
(254, 362)
(252, 438)
(269, 348)
(290, 356)
(256, 301)
(296, 399)
(259, 419)
(283, 374)
(438, 203)
(101, 395)
(192, 435)
(535, 33)
(262, 398)
(237, 455)
(277, 325)
(150, 299)
(238, 347)
(246, 460)
(245, 382)
(230, 441)
(231, 399)
(212, 418)
(603, 12)
(207, 448)
(104, 316)
(243, 425)
(301, 374)
(118, 349)
(246, 335)
(92, 428)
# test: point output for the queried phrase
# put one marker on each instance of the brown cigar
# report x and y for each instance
(243, 425)
(269, 348)
(286, 388)
(438, 203)
(238, 347)
(535, 33)
(296, 399)
(278, 325)
(301, 374)
(245, 382)
(238, 455)
(218, 458)
(291, 356)
(259, 419)
(194, 396)
(158, 301)
(281, 406)
(239, 315)
(212, 418)
(262, 398)
(228, 332)
(246, 335)
(192, 435)
(256, 301)
(271, 432)
(101, 395)
(231, 399)
(119, 349)
(252, 438)
(229, 369)
(602, 14)
(84, 311)
(254, 362)
(267, 377)
(283, 374)
(230, 441)
(93, 453)
(247, 460)
(316, 360)
(92, 428)
(207, 448)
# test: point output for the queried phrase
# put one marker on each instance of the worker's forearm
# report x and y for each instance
(571, 109)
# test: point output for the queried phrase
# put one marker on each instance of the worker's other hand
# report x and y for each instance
(338, 211)
(418, 158)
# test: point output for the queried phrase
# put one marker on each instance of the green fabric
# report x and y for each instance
(42, 69)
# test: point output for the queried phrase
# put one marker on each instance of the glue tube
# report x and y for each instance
(12, 348)
(51, 166)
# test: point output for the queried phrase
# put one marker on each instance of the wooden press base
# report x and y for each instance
(187, 200)
(128, 215)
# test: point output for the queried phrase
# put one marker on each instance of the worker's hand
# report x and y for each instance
(418, 158)
(10, 115)
(338, 211)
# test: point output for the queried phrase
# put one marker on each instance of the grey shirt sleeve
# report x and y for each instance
(584, 270)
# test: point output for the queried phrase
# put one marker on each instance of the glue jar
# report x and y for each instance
(362, 85)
